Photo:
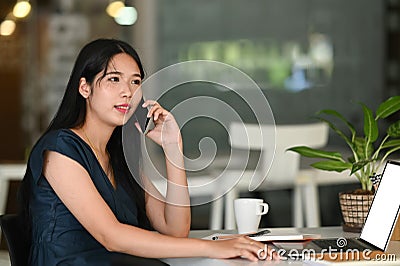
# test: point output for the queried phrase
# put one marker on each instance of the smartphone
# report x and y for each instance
(149, 125)
(146, 123)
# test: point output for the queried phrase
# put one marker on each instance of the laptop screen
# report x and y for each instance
(385, 207)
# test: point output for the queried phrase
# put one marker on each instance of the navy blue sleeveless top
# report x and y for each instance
(57, 237)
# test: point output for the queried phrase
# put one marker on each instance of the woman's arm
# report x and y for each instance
(74, 187)
(172, 215)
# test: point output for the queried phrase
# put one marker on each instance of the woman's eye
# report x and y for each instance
(136, 82)
(114, 79)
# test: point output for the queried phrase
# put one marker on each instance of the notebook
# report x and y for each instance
(380, 221)
(268, 235)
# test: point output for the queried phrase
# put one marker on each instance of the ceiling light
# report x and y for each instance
(21, 9)
(7, 27)
(114, 7)
(126, 16)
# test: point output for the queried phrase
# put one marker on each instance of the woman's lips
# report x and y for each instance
(123, 108)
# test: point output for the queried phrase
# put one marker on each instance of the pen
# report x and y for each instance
(227, 237)
(260, 233)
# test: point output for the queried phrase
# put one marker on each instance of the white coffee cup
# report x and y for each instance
(248, 214)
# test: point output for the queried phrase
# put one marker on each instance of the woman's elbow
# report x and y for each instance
(109, 241)
(180, 232)
(109, 244)
(109, 248)
(184, 234)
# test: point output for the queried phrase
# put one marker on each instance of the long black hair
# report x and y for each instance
(93, 59)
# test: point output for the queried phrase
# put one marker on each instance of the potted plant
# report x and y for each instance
(369, 150)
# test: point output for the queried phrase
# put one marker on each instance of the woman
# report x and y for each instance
(82, 203)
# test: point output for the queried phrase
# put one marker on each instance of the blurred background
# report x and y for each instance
(305, 55)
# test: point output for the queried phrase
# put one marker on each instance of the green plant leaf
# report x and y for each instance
(391, 143)
(359, 165)
(361, 150)
(389, 152)
(332, 166)
(370, 125)
(388, 107)
(394, 130)
(338, 131)
(314, 153)
(341, 117)
(351, 159)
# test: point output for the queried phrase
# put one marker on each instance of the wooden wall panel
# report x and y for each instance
(11, 136)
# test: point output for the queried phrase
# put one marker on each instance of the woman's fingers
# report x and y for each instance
(248, 248)
(244, 253)
(243, 247)
(159, 112)
(166, 130)
(256, 250)
(155, 109)
(148, 103)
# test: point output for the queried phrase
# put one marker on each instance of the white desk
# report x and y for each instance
(14, 171)
(306, 197)
(394, 248)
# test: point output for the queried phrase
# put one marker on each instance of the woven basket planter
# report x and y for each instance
(354, 209)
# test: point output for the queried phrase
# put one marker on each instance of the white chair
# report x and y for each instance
(282, 174)
(9, 172)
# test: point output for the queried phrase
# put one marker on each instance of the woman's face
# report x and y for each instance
(114, 97)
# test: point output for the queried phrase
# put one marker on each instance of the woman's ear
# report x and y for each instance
(84, 88)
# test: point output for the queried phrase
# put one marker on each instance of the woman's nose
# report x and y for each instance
(127, 90)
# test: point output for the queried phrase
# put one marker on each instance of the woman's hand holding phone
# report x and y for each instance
(159, 125)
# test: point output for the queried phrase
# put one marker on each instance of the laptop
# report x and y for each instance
(380, 221)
